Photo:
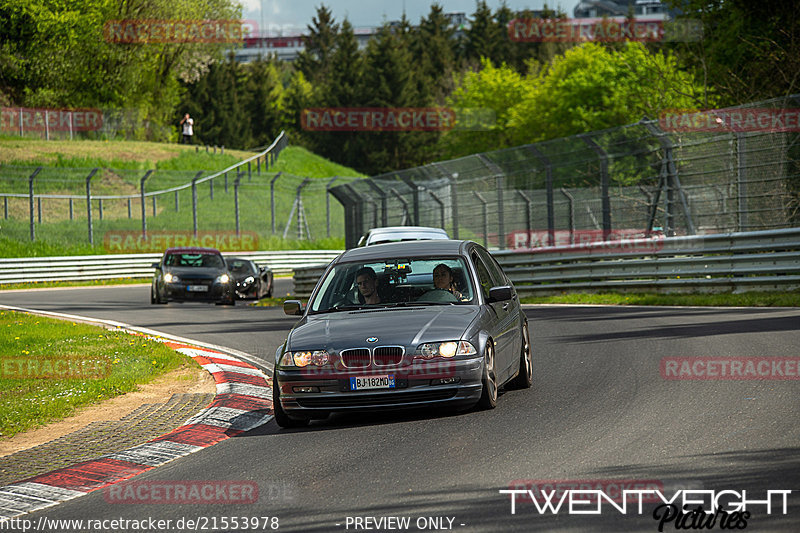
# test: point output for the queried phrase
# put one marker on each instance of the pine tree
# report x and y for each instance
(314, 60)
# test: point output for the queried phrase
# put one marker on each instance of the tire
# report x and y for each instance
(524, 379)
(155, 298)
(488, 399)
(282, 419)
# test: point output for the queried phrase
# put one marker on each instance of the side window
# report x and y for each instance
(496, 273)
(484, 278)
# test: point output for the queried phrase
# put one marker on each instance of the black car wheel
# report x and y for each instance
(488, 398)
(284, 420)
(155, 298)
(524, 379)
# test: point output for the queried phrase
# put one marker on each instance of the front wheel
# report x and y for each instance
(488, 398)
(524, 379)
(282, 419)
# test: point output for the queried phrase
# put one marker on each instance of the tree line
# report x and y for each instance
(53, 54)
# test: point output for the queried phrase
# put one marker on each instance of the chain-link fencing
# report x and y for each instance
(683, 173)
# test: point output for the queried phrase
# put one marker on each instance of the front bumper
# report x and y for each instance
(217, 292)
(455, 383)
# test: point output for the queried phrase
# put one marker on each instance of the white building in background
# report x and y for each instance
(286, 47)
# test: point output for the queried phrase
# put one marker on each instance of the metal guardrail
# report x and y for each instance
(765, 260)
(79, 268)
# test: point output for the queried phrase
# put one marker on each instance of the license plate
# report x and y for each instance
(372, 382)
(197, 288)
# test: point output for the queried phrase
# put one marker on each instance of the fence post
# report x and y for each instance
(301, 213)
(89, 205)
(71, 113)
(30, 196)
(384, 204)
(741, 179)
(454, 202)
(415, 189)
(226, 183)
(154, 205)
(39, 209)
(129, 209)
(71, 212)
(21, 129)
(272, 199)
(669, 181)
(249, 172)
(604, 179)
(404, 203)
(328, 203)
(100, 205)
(5, 207)
(176, 201)
(46, 127)
(484, 208)
(441, 207)
(500, 184)
(222, 150)
(571, 214)
(211, 188)
(551, 218)
(258, 165)
(528, 215)
(144, 207)
(236, 198)
(194, 202)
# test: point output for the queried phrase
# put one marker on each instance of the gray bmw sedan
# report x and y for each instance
(403, 325)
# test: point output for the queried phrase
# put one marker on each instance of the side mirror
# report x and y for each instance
(156, 265)
(292, 307)
(500, 294)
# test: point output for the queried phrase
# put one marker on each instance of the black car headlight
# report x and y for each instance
(447, 349)
(223, 279)
(304, 358)
(171, 278)
(246, 282)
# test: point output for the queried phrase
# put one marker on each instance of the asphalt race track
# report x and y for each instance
(599, 410)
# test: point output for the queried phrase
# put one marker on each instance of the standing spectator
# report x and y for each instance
(187, 124)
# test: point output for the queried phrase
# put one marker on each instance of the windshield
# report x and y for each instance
(195, 260)
(241, 267)
(394, 282)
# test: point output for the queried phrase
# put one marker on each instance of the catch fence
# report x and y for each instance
(640, 180)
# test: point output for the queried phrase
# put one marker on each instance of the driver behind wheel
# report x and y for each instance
(443, 279)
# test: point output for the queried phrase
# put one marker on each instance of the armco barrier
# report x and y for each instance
(78, 268)
(757, 260)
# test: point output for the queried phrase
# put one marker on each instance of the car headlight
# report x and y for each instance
(224, 278)
(304, 358)
(248, 280)
(446, 349)
(171, 278)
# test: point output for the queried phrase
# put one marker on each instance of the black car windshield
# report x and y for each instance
(394, 283)
(195, 260)
(241, 267)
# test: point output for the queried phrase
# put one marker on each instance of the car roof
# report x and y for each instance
(192, 250)
(405, 248)
(403, 229)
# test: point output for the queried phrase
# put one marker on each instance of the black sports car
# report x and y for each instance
(251, 281)
(412, 324)
(192, 274)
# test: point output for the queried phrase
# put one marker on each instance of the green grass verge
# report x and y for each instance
(85, 283)
(59, 235)
(37, 383)
(746, 299)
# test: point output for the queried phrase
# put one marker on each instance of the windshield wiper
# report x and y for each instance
(336, 308)
(416, 304)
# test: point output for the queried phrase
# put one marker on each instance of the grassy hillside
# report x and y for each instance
(123, 164)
